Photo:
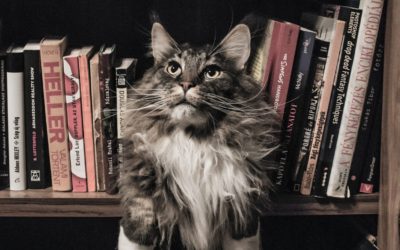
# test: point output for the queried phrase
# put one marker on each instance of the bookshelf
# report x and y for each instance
(24, 20)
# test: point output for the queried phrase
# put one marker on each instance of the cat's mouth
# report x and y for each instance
(185, 102)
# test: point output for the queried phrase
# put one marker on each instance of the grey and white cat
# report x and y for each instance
(199, 136)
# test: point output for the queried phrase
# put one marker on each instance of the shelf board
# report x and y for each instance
(45, 203)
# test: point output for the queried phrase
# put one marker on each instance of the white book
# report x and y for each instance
(354, 103)
(15, 113)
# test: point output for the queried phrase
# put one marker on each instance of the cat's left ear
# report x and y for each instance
(235, 47)
(162, 44)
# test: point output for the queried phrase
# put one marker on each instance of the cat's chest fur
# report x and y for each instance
(207, 178)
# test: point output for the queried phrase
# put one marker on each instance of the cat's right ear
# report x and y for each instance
(162, 43)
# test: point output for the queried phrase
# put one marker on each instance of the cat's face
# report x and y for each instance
(188, 81)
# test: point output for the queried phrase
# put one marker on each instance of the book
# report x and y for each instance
(292, 121)
(51, 52)
(37, 158)
(97, 116)
(124, 76)
(347, 137)
(15, 115)
(4, 167)
(84, 78)
(74, 120)
(371, 112)
(301, 150)
(352, 17)
(109, 104)
(329, 30)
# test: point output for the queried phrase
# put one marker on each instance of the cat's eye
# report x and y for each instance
(173, 68)
(212, 72)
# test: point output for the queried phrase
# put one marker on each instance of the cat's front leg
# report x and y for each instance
(137, 181)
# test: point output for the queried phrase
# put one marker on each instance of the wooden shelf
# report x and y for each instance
(45, 203)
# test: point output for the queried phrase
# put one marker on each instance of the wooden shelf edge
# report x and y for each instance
(45, 203)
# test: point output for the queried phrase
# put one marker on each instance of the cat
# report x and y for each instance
(199, 139)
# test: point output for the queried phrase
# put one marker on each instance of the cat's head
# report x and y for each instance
(196, 85)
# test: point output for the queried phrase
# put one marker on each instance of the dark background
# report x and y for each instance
(127, 23)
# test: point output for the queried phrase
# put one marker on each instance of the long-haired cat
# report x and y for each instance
(199, 134)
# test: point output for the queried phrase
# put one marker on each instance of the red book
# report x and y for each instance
(51, 52)
(74, 118)
(284, 42)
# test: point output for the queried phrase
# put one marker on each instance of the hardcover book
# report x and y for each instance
(51, 53)
(37, 158)
(4, 167)
(84, 78)
(329, 30)
(15, 114)
(353, 107)
(74, 120)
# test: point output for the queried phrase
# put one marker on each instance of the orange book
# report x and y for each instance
(84, 58)
(51, 53)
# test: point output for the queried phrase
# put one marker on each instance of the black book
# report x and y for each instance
(371, 112)
(312, 99)
(37, 157)
(4, 166)
(108, 89)
(352, 17)
(124, 76)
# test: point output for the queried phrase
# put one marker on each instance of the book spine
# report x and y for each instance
(87, 122)
(297, 90)
(121, 111)
(37, 160)
(100, 159)
(15, 113)
(370, 113)
(54, 92)
(347, 137)
(352, 18)
(109, 122)
(74, 120)
(4, 167)
(326, 91)
(305, 136)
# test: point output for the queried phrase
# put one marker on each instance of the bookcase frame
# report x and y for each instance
(45, 203)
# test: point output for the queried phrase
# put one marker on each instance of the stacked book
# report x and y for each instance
(61, 116)
(323, 77)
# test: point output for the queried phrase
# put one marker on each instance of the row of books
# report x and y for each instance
(61, 116)
(324, 79)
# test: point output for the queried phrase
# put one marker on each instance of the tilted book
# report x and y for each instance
(330, 30)
(84, 77)
(352, 18)
(37, 158)
(4, 167)
(74, 120)
(51, 53)
(353, 107)
(15, 114)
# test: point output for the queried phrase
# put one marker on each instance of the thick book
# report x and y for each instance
(37, 158)
(84, 77)
(109, 104)
(329, 30)
(51, 53)
(4, 167)
(292, 119)
(74, 120)
(97, 116)
(352, 18)
(371, 112)
(15, 114)
(124, 76)
(301, 150)
(353, 107)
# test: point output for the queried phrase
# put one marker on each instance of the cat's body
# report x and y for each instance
(198, 136)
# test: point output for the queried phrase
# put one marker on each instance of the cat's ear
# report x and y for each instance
(235, 47)
(161, 43)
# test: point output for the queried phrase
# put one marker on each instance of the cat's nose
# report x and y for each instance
(186, 85)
